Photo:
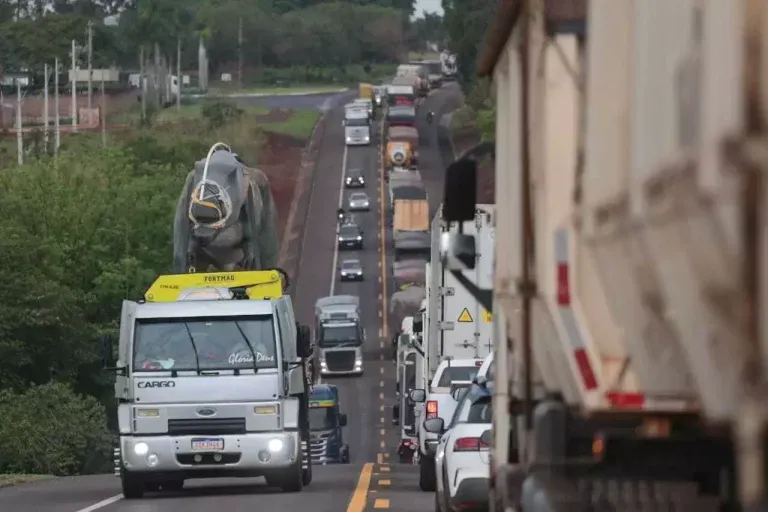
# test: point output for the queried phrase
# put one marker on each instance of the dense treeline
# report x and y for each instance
(78, 236)
(276, 33)
(465, 25)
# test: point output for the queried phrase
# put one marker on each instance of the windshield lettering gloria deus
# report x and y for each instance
(205, 344)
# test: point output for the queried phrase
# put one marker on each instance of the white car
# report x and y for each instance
(439, 402)
(462, 458)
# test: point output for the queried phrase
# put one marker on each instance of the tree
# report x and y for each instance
(465, 25)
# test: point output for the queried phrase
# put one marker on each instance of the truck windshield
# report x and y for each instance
(453, 374)
(211, 343)
(322, 418)
(337, 335)
(357, 121)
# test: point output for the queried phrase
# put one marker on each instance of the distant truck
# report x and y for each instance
(434, 72)
(401, 92)
(326, 423)
(209, 385)
(357, 125)
(339, 335)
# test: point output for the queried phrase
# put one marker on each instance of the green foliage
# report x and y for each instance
(217, 113)
(276, 33)
(79, 235)
(49, 429)
(465, 24)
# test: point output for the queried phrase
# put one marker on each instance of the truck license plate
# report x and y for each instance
(207, 444)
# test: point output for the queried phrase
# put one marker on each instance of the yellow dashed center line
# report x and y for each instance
(381, 503)
(384, 483)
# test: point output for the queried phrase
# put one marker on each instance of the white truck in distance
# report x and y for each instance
(357, 125)
(456, 328)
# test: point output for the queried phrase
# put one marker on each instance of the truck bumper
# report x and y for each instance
(330, 373)
(254, 453)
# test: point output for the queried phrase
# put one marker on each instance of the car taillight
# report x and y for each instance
(431, 409)
(469, 444)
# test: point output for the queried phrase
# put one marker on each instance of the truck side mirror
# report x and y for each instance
(303, 341)
(342, 420)
(417, 396)
(459, 191)
(418, 323)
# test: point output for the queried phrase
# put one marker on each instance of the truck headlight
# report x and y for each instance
(359, 239)
(140, 448)
(152, 460)
(147, 413)
(358, 362)
(275, 445)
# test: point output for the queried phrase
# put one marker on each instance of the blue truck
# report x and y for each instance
(325, 424)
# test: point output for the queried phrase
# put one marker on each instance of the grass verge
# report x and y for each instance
(15, 479)
(299, 125)
(277, 91)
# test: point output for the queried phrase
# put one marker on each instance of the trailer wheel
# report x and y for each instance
(427, 479)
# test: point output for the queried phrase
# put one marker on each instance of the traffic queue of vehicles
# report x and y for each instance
(442, 335)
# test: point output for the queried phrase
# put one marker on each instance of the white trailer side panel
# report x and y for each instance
(467, 327)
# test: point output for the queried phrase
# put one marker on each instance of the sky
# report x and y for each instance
(428, 6)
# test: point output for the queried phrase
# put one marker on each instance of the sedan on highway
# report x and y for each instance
(354, 178)
(462, 459)
(351, 270)
(358, 201)
(350, 237)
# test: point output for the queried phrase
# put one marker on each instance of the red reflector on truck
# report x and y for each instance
(629, 400)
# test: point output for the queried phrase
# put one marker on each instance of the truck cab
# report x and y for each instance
(339, 335)
(357, 125)
(211, 381)
(325, 425)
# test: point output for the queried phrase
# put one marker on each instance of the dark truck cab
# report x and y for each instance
(325, 425)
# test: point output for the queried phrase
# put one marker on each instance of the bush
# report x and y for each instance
(51, 430)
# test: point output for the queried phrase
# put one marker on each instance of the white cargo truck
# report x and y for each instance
(630, 271)
(458, 332)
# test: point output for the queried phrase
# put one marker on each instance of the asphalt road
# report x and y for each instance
(373, 479)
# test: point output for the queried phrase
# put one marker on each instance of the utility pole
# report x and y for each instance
(74, 86)
(143, 85)
(240, 54)
(178, 73)
(45, 108)
(103, 112)
(90, 64)
(57, 126)
(19, 139)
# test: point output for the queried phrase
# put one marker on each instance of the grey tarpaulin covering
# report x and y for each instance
(404, 303)
(409, 271)
(408, 192)
(411, 241)
(233, 226)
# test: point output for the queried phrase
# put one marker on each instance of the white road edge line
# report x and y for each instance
(335, 238)
(102, 503)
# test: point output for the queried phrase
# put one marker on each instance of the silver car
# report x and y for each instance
(358, 201)
(351, 270)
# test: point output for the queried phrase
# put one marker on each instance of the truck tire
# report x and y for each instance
(131, 485)
(427, 479)
(291, 479)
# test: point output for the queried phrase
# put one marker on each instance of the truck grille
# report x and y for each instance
(208, 426)
(340, 361)
(318, 450)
